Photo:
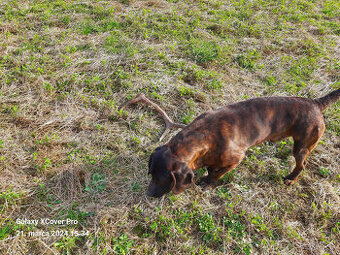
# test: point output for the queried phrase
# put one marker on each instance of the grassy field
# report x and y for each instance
(67, 152)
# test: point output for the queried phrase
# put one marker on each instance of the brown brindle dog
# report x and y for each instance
(219, 139)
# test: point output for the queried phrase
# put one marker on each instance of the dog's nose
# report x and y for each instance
(152, 190)
(149, 193)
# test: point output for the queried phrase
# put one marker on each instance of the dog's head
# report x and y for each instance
(168, 173)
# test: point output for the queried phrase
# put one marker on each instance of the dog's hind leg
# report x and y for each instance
(302, 148)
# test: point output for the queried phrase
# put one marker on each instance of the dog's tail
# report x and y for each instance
(329, 99)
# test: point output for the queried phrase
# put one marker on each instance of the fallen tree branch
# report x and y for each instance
(168, 122)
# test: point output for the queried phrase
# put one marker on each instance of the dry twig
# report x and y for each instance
(168, 122)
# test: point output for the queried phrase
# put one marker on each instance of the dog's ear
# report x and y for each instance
(182, 176)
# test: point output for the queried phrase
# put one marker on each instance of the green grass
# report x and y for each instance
(203, 51)
(67, 151)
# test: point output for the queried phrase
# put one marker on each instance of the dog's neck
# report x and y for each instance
(188, 150)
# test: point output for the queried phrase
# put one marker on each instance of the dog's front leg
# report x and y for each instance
(231, 160)
(209, 181)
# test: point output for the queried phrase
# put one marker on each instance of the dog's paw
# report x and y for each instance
(289, 181)
(205, 183)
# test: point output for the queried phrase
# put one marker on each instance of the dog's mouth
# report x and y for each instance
(155, 190)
